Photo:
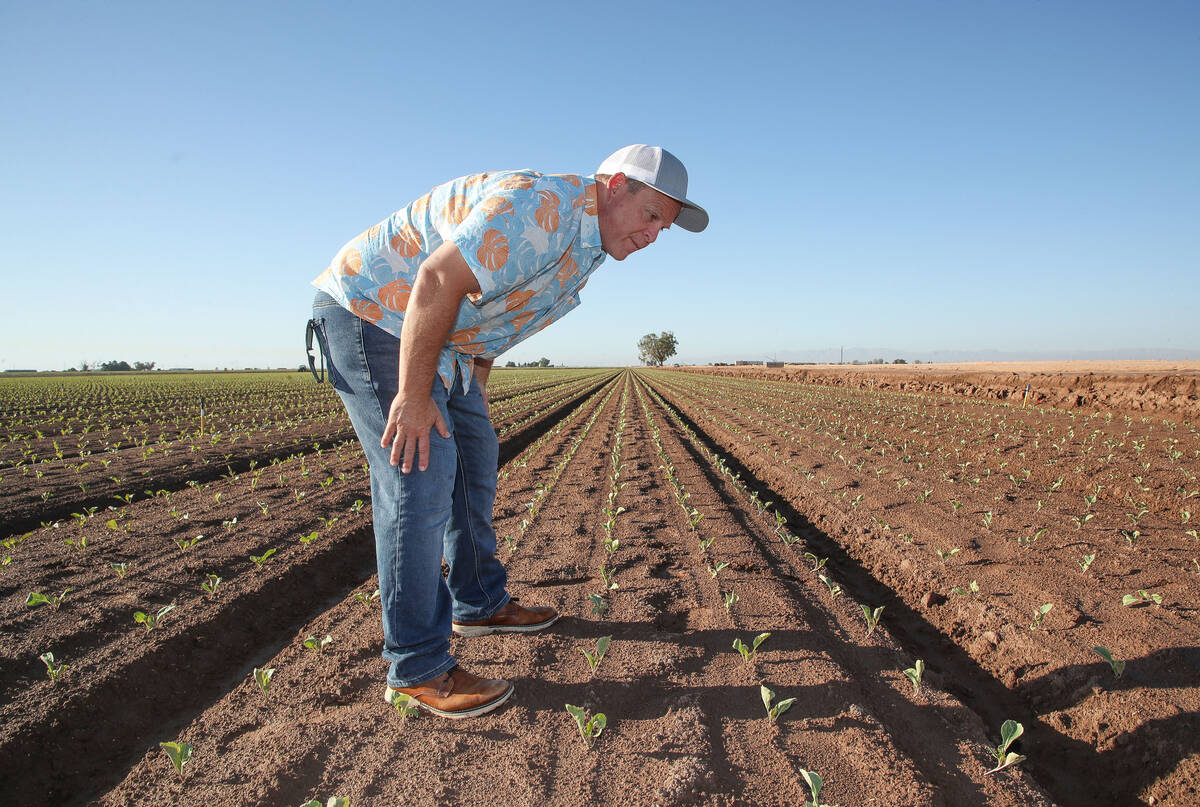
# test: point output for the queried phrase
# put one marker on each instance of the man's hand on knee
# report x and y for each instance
(408, 427)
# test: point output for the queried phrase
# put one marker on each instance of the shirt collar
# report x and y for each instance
(589, 226)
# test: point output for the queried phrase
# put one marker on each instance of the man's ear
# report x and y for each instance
(615, 182)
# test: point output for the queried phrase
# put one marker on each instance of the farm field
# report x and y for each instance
(675, 512)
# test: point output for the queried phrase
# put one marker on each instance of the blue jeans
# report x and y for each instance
(423, 517)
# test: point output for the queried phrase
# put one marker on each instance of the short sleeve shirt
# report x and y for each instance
(531, 240)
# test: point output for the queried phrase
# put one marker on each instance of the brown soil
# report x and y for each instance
(686, 724)
(1161, 387)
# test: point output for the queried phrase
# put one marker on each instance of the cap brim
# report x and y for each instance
(692, 218)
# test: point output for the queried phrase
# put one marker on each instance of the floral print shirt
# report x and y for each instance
(531, 240)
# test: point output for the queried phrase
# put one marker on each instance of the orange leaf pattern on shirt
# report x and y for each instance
(407, 242)
(421, 205)
(348, 261)
(547, 212)
(493, 252)
(566, 270)
(457, 208)
(522, 319)
(518, 182)
(588, 200)
(516, 300)
(365, 309)
(371, 233)
(394, 296)
(496, 206)
(462, 340)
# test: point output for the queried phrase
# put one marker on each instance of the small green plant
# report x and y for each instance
(814, 782)
(987, 520)
(835, 590)
(259, 560)
(972, 589)
(180, 754)
(872, 617)
(1118, 667)
(151, 620)
(1086, 561)
(945, 555)
(1009, 732)
(774, 708)
(816, 562)
(185, 544)
(308, 538)
(403, 704)
(317, 645)
(53, 668)
(366, 599)
(1142, 596)
(1039, 614)
(594, 660)
(612, 544)
(334, 801)
(263, 677)
(37, 598)
(715, 570)
(914, 674)
(730, 598)
(599, 604)
(119, 568)
(209, 586)
(607, 576)
(705, 543)
(589, 727)
(749, 654)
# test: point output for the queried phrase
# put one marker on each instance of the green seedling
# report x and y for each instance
(715, 570)
(1030, 540)
(835, 590)
(914, 674)
(872, 617)
(1118, 667)
(816, 562)
(1009, 732)
(1039, 614)
(749, 654)
(151, 620)
(53, 668)
(987, 520)
(259, 560)
(209, 586)
(403, 704)
(309, 538)
(317, 645)
(594, 660)
(119, 568)
(80, 545)
(612, 544)
(815, 783)
(37, 598)
(972, 589)
(607, 576)
(945, 555)
(705, 543)
(357, 506)
(774, 708)
(334, 801)
(589, 728)
(366, 599)
(187, 543)
(1142, 596)
(599, 604)
(180, 754)
(263, 677)
(731, 598)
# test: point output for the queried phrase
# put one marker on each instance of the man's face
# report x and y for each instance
(630, 221)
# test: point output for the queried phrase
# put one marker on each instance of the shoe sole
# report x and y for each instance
(461, 714)
(484, 630)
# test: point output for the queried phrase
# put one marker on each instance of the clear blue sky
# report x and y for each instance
(1019, 176)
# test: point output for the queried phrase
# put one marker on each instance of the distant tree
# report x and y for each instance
(115, 365)
(899, 361)
(510, 364)
(143, 365)
(543, 362)
(84, 366)
(654, 349)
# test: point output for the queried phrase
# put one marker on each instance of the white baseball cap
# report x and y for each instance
(661, 170)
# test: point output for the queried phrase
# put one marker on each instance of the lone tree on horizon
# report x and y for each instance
(654, 349)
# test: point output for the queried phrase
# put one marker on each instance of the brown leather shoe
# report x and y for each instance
(457, 694)
(511, 618)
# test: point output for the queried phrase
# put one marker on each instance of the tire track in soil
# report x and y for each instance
(1057, 761)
